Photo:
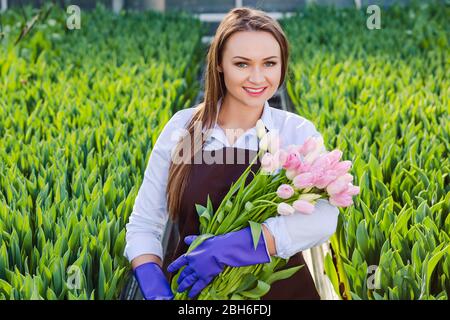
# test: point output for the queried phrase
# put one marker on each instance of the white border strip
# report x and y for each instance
(217, 17)
(4, 5)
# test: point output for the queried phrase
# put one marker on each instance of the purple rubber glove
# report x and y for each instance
(233, 249)
(153, 282)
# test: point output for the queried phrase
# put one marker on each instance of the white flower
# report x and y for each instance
(274, 143)
(260, 129)
(264, 143)
(310, 197)
(291, 174)
(285, 209)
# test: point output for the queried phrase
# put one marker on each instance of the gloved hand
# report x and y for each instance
(207, 260)
(153, 282)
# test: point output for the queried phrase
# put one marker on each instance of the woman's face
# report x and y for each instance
(251, 61)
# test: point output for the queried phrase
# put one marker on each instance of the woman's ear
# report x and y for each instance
(219, 68)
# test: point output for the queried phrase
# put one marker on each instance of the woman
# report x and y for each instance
(246, 65)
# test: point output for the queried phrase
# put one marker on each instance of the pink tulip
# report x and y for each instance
(352, 190)
(334, 157)
(285, 191)
(311, 157)
(303, 167)
(294, 164)
(340, 184)
(303, 206)
(309, 145)
(285, 209)
(341, 200)
(342, 167)
(326, 161)
(323, 179)
(293, 148)
(267, 162)
(321, 162)
(292, 161)
(304, 180)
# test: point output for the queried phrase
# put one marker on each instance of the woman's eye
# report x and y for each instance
(243, 64)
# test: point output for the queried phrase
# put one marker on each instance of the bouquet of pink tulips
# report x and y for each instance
(289, 181)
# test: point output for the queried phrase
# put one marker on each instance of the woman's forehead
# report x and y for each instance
(254, 45)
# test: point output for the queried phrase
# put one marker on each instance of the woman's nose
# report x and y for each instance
(256, 76)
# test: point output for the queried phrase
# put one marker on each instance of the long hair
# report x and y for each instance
(238, 19)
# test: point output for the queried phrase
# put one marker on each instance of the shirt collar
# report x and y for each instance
(217, 132)
(266, 116)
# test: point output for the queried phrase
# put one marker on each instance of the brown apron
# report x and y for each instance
(215, 180)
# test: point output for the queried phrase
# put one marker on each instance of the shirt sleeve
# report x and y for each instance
(147, 222)
(298, 232)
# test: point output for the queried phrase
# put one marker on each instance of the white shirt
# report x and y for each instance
(292, 233)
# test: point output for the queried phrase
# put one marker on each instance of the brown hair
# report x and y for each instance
(238, 19)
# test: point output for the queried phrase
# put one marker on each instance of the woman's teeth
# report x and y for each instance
(254, 90)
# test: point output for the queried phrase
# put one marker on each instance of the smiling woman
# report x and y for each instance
(252, 70)
(246, 65)
(250, 79)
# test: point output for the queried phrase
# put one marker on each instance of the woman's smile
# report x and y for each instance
(255, 92)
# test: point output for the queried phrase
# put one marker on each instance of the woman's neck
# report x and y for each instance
(235, 115)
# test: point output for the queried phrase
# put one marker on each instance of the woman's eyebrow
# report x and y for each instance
(244, 58)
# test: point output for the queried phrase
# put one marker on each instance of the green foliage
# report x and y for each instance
(79, 113)
(382, 97)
